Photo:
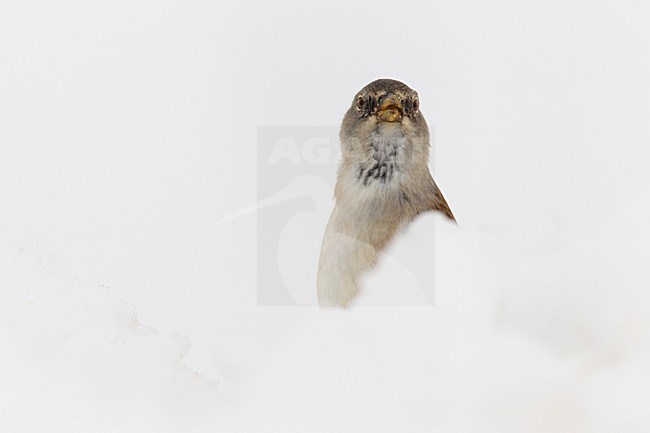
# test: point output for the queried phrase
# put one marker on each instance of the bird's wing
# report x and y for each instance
(440, 204)
(434, 200)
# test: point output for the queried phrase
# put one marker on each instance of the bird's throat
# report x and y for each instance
(384, 157)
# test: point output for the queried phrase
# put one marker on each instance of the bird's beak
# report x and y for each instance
(390, 109)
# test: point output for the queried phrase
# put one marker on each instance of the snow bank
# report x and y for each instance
(75, 358)
(524, 336)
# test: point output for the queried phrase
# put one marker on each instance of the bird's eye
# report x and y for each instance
(360, 102)
(416, 105)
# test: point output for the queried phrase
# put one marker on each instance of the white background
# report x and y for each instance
(128, 130)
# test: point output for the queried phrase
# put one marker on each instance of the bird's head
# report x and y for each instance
(385, 107)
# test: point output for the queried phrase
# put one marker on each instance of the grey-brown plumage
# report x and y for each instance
(383, 183)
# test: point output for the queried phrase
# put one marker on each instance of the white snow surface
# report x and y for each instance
(523, 337)
(129, 132)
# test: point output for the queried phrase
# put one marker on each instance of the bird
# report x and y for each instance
(383, 182)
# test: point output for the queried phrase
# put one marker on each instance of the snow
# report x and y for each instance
(131, 185)
(549, 339)
(75, 357)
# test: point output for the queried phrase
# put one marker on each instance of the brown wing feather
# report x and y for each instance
(440, 204)
(427, 196)
(436, 200)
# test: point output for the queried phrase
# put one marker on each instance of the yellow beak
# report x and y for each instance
(390, 109)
